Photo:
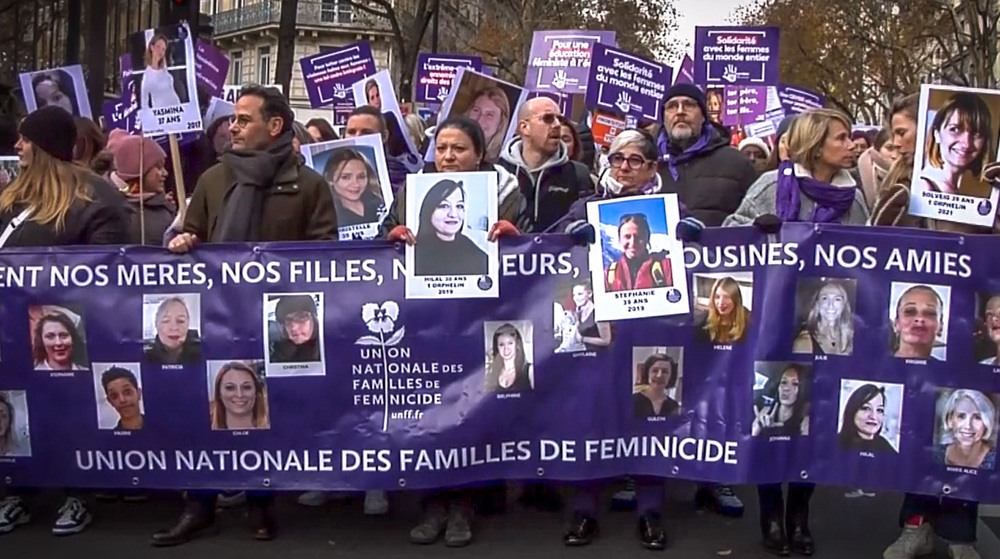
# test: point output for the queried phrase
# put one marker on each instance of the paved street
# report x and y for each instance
(844, 528)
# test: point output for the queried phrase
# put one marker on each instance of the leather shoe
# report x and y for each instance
(651, 533)
(581, 532)
(801, 540)
(775, 540)
(196, 521)
(262, 521)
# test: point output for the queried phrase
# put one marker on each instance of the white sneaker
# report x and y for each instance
(912, 543)
(962, 551)
(376, 503)
(313, 498)
(73, 518)
(855, 493)
(13, 513)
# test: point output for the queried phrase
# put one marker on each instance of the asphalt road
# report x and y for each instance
(843, 528)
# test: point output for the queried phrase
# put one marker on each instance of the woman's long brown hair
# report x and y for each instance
(48, 185)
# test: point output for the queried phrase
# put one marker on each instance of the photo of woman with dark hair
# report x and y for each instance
(637, 268)
(828, 327)
(658, 374)
(55, 87)
(960, 142)
(441, 248)
(508, 366)
(726, 318)
(782, 409)
(57, 343)
(357, 194)
(864, 417)
(238, 397)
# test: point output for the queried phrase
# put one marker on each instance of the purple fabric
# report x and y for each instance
(397, 173)
(673, 161)
(648, 495)
(831, 202)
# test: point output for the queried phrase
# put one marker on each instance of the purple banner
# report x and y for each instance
(560, 60)
(686, 72)
(626, 83)
(795, 100)
(870, 394)
(211, 67)
(736, 56)
(744, 105)
(435, 73)
(328, 75)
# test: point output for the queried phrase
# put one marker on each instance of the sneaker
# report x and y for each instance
(231, 500)
(856, 493)
(313, 498)
(720, 499)
(376, 503)
(13, 513)
(73, 518)
(915, 541)
(962, 551)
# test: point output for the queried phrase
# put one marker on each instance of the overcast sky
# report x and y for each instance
(704, 12)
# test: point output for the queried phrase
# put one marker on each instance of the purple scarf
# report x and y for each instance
(688, 154)
(831, 202)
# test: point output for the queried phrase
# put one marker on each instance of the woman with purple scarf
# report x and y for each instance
(814, 186)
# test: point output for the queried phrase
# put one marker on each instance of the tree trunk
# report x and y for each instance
(286, 45)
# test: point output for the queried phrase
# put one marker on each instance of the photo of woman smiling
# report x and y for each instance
(637, 267)
(987, 334)
(965, 434)
(237, 395)
(509, 356)
(826, 317)
(721, 315)
(919, 328)
(357, 195)
(961, 140)
(657, 387)
(57, 339)
(870, 416)
(175, 329)
(442, 248)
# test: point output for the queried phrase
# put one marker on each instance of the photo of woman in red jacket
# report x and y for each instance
(637, 267)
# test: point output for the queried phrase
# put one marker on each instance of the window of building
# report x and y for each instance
(264, 65)
(335, 11)
(236, 67)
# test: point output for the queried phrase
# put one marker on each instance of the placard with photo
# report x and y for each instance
(62, 87)
(377, 91)
(163, 71)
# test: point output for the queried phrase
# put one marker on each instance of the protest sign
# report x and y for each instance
(736, 56)
(211, 68)
(328, 75)
(163, 74)
(560, 60)
(625, 83)
(744, 105)
(435, 73)
(62, 87)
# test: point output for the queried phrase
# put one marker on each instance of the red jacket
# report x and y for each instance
(654, 272)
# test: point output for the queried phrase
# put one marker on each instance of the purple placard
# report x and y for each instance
(686, 72)
(211, 67)
(564, 101)
(795, 100)
(435, 73)
(743, 105)
(736, 56)
(624, 83)
(560, 60)
(328, 75)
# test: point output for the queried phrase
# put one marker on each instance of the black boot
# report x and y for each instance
(581, 531)
(797, 521)
(651, 533)
(260, 511)
(775, 540)
(772, 516)
(197, 520)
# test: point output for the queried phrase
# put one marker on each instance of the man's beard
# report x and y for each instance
(682, 136)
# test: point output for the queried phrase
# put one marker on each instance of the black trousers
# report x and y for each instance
(953, 520)
(774, 505)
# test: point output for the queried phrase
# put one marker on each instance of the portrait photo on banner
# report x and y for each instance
(958, 139)
(510, 350)
(15, 427)
(723, 302)
(824, 316)
(10, 167)
(657, 384)
(781, 399)
(377, 91)
(965, 428)
(118, 393)
(575, 326)
(450, 215)
(714, 102)
(293, 335)
(58, 337)
(491, 102)
(986, 330)
(163, 72)
(355, 169)
(237, 395)
(871, 415)
(61, 87)
(634, 261)
(171, 328)
(918, 314)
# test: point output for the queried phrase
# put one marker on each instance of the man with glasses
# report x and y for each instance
(539, 159)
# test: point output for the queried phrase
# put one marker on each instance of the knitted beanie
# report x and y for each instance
(688, 90)
(130, 151)
(757, 143)
(52, 130)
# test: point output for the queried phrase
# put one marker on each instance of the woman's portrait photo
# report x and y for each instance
(714, 100)
(59, 87)
(373, 96)
(960, 140)
(656, 384)
(722, 304)
(377, 91)
(965, 430)
(575, 327)
(58, 338)
(490, 102)
(918, 314)
(160, 66)
(509, 356)
(171, 328)
(870, 416)
(824, 316)
(452, 224)
(986, 333)
(637, 256)
(781, 399)
(293, 340)
(15, 434)
(237, 395)
(118, 389)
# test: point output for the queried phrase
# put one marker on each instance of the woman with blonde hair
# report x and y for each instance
(728, 319)
(239, 400)
(491, 109)
(157, 89)
(829, 326)
(968, 431)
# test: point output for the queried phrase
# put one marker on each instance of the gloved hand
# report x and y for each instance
(402, 233)
(689, 229)
(583, 233)
(502, 228)
(991, 173)
(768, 223)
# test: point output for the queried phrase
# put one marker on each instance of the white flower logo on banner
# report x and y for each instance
(381, 320)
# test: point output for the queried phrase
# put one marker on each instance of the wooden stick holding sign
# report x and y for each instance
(181, 192)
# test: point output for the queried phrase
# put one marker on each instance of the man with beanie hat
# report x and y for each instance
(697, 161)
(135, 158)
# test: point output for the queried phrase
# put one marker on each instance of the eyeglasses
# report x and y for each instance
(675, 105)
(241, 121)
(634, 161)
(548, 118)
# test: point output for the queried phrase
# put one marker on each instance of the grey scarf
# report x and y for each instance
(255, 172)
